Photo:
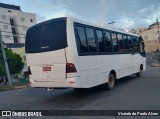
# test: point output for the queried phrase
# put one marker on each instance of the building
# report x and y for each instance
(138, 31)
(14, 23)
(151, 36)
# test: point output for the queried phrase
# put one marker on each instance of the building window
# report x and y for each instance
(5, 26)
(7, 36)
(24, 57)
(31, 20)
(24, 28)
(13, 30)
(15, 39)
(12, 22)
(23, 19)
(3, 16)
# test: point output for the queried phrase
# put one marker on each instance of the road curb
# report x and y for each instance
(6, 88)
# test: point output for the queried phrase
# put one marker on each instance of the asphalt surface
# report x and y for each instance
(130, 93)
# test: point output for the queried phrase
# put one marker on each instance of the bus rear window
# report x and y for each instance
(47, 36)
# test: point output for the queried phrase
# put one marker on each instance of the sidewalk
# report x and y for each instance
(14, 87)
(155, 59)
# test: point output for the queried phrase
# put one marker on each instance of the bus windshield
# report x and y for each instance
(46, 36)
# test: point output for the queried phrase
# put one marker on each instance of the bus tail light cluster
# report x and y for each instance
(70, 68)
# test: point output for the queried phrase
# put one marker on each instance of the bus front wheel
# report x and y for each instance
(139, 74)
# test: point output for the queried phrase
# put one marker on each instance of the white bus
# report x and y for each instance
(70, 53)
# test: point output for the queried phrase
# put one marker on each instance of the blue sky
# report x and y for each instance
(126, 14)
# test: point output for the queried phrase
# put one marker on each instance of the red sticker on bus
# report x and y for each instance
(46, 68)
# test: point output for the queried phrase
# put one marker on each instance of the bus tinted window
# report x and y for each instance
(120, 43)
(46, 36)
(135, 44)
(100, 41)
(82, 39)
(115, 42)
(125, 39)
(130, 45)
(91, 40)
(107, 40)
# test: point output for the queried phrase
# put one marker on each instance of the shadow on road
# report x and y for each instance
(73, 99)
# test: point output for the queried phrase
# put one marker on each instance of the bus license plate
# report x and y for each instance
(46, 68)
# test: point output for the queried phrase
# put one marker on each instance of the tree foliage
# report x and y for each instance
(14, 62)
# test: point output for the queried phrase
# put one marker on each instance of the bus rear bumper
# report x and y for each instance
(68, 83)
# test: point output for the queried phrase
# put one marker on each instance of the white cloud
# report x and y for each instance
(40, 18)
(125, 23)
(151, 18)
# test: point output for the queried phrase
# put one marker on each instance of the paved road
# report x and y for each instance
(130, 93)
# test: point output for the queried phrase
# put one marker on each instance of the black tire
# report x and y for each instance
(111, 81)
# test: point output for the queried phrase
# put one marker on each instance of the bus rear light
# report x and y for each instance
(70, 68)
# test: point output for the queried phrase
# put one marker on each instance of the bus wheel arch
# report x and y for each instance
(139, 74)
(113, 72)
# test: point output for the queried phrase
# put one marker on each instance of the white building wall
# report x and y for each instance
(5, 26)
(22, 21)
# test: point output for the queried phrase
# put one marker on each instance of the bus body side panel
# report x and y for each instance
(94, 70)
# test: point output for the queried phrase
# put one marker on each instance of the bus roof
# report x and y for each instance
(85, 23)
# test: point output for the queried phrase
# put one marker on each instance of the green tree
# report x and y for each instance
(14, 62)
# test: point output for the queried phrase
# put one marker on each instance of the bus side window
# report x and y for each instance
(115, 42)
(100, 41)
(136, 44)
(107, 40)
(130, 43)
(83, 46)
(125, 39)
(120, 43)
(91, 40)
(141, 42)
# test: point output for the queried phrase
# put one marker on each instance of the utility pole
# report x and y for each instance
(5, 61)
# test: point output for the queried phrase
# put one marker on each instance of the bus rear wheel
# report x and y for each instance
(111, 82)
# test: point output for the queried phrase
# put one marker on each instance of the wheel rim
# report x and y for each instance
(111, 81)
